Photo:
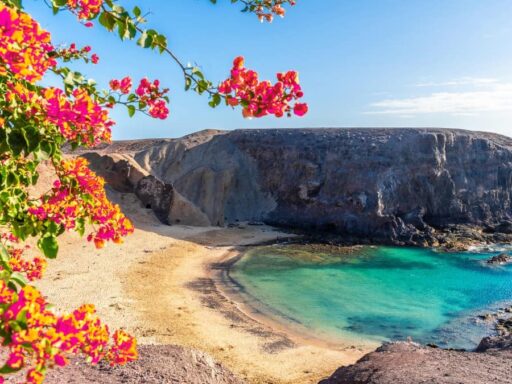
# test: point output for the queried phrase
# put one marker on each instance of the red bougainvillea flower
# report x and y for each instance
(267, 9)
(261, 98)
(33, 268)
(148, 96)
(123, 86)
(300, 109)
(150, 93)
(74, 53)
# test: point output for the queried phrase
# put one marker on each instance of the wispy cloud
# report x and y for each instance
(484, 95)
(472, 81)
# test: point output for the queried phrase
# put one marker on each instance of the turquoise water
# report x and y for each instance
(378, 293)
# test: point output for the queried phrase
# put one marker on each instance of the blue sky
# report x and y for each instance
(364, 63)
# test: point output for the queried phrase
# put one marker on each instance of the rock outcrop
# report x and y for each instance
(400, 186)
(123, 174)
(495, 343)
(157, 364)
(500, 259)
(410, 363)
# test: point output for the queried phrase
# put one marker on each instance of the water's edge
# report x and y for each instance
(257, 310)
(268, 314)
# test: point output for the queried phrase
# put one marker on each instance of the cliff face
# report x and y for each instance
(382, 184)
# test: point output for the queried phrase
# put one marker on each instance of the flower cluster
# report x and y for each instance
(261, 98)
(24, 45)
(33, 269)
(22, 100)
(85, 9)
(148, 96)
(16, 262)
(149, 93)
(73, 53)
(40, 339)
(81, 119)
(123, 86)
(267, 9)
(79, 195)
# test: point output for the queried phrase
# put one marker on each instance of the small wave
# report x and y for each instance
(490, 248)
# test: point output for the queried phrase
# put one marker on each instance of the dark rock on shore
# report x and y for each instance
(410, 363)
(425, 187)
(500, 259)
(495, 343)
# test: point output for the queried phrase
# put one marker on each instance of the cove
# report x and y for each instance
(377, 293)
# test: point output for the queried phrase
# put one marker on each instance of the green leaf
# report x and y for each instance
(131, 110)
(188, 83)
(49, 246)
(145, 40)
(107, 20)
(21, 319)
(19, 279)
(6, 369)
(215, 101)
(4, 258)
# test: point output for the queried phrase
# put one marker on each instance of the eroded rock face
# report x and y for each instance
(384, 185)
(123, 174)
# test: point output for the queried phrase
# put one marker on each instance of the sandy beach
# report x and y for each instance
(160, 285)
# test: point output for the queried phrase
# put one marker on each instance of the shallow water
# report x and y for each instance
(378, 293)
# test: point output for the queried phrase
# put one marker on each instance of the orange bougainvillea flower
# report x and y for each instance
(85, 9)
(83, 197)
(24, 45)
(46, 339)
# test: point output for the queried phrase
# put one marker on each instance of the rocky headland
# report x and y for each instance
(420, 187)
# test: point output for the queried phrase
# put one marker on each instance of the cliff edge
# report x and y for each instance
(398, 186)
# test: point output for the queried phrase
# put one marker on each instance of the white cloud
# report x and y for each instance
(491, 96)
(472, 81)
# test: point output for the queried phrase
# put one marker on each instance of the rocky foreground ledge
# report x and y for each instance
(393, 363)
(410, 363)
(157, 364)
(426, 187)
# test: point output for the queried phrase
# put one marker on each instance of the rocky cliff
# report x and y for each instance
(402, 186)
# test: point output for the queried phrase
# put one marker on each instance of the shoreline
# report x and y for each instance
(190, 307)
(258, 311)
